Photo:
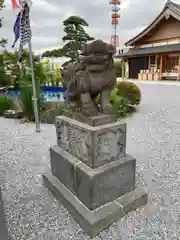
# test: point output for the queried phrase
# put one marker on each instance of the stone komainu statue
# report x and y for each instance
(93, 75)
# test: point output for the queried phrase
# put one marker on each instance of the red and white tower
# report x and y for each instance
(115, 8)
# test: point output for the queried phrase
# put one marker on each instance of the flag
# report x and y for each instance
(25, 30)
(16, 29)
(15, 4)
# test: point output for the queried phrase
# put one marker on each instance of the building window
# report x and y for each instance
(152, 60)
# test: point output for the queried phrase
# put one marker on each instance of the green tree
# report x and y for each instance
(4, 77)
(75, 36)
(3, 41)
(13, 67)
(74, 39)
(1, 8)
(54, 53)
(39, 72)
(118, 68)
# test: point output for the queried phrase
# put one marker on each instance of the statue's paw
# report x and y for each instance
(90, 111)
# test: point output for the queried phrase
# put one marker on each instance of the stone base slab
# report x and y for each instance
(93, 121)
(3, 227)
(93, 222)
(94, 187)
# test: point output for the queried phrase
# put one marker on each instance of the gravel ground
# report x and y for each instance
(153, 138)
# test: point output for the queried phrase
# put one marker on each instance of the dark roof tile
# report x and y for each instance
(151, 50)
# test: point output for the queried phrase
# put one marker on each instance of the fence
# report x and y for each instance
(50, 93)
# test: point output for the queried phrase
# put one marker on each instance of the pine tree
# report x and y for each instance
(74, 39)
(3, 41)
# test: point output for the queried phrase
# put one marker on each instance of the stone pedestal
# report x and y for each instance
(94, 146)
(92, 175)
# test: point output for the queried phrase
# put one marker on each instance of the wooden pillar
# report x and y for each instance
(178, 76)
(156, 60)
(149, 62)
(161, 66)
(123, 65)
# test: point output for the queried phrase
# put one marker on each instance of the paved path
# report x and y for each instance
(153, 138)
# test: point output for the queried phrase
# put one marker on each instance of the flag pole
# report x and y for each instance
(34, 98)
(26, 38)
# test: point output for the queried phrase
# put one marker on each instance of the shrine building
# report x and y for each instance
(154, 54)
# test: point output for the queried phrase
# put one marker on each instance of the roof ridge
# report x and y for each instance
(168, 5)
(174, 7)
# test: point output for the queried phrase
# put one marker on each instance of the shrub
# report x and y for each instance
(26, 99)
(97, 100)
(130, 91)
(121, 106)
(118, 67)
(113, 96)
(5, 104)
(48, 116)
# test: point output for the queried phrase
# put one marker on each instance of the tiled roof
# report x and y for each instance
(173, 5)
(173, 8)
(151, 50)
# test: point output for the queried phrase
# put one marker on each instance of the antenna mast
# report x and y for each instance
(115, 8)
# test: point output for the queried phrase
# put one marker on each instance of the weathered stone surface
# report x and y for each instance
(91, 120)
(62, 166)
(93, 75)
(92, 174)
(95, 146)
(96, 187)
(133, 200)
(3, 227)
(93, 222)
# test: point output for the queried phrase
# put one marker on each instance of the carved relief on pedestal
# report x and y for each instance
(110, 145)
(62, 132)
(93, 146)
(79, 144)
(74, 140)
